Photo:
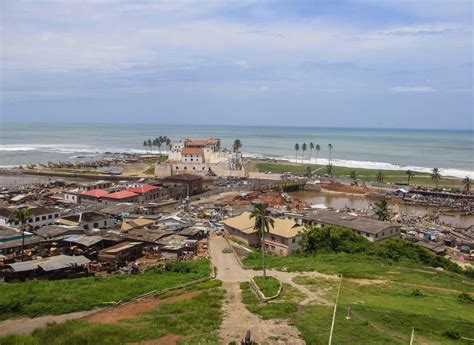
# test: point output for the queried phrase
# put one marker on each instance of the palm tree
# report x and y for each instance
(467, 183)
(317, 148)
(303, 149)
(353, 175)
(145, 144)
(435, 176)
(297, 148)
(329, 169)
(21, 216)
(382, 210)
(237, 145)
(149, 143)
(330, 147)
(410, 174)
(168, 143)
(380, 176)
(311, 148)
(263, 222)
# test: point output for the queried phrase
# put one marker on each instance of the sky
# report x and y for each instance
(328, 63)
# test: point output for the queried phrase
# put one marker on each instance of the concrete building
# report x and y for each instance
(39, 216)
(87, 220)
(201, 157)
(192, 183)
(282, 239)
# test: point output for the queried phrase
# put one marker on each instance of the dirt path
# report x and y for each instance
(132, 310)
(26, 325)
(238, 320)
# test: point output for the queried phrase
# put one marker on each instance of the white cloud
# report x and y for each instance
(412, 89)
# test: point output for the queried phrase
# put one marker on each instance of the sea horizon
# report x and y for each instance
(374, 148)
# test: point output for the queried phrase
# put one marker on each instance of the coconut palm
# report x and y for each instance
(382, 211)
(467, 183)
(263, 222)
(304, 147)
(311, 148)
(168, 143)
(21, 216)
(149, 143)
(237, 145)
(145, 144)
(330, 147)
(410, 174)
(329, 169)
(297, 148)
(317, 148)
(435, 176)
(380, 176)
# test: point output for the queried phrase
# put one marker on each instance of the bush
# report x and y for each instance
(417, 293)
(465, 297)
(178, 267)
(452, 333)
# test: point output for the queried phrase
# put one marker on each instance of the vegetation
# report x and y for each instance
(353, 175)
(268, 286)
(21, 216)
(42, 297)
(409, 174)
(380, 176)
(263, 221)
(435, 176)
(382, 210)
(157, 143)
(195, 319)
(330, 147)
(467, 184)
(297, 148)
(237, 145)
(391, 176)
(304, 147)
(330, 169)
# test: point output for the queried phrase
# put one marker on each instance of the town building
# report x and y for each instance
(87, 220)
(192, 183)
(282, 239)
(201, 157)
(39, 216)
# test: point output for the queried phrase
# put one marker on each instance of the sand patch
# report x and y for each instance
(367, 281)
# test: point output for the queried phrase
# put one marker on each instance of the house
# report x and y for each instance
(92, 196)
(122, 252)
(176, 246)
(85, 245)
(130, 223)
(148, 193)
(86, 186)
(72, 196)
(372, 229)
(282, 239)
(87, 220)
(39, 216)
(192, 183)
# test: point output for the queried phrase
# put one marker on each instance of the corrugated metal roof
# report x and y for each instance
(50, 264)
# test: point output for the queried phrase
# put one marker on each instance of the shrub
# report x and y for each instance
(465, 297)
(452, 333)
(417, 293)
(178, 267)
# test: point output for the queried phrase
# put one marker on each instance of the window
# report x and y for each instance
(37, 219)
(86, 226)
(50, 216)
(96, 225)
(43, 218)
(194, 168)
(294, 240)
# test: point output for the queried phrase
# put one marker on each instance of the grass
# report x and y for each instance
(196, 319)
(391, 176)
(42, 297)
(151, 164)
(382, 311)
(268, 286)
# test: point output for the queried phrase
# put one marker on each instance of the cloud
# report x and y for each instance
(412, 89)
(426, 29)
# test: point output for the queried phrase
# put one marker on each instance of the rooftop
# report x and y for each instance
(124, 194)
(97, 193)
(183, 177)
(142, 189)
(192, 151)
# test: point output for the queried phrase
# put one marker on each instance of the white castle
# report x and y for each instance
(201, 157)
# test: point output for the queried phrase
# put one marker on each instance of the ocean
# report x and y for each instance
(419, 150)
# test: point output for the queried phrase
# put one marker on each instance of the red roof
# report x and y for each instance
(142, 189)
(192, 151)
(96, 193)
(123, 194)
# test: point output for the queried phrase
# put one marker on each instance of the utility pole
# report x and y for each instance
(334, 312)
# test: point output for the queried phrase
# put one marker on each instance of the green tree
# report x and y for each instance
(380, 176)
(145, 144)
(149, 143)
(467, 183)
(168, 143)
(410, 174)
(435, 176)
(237, 145)
(353, 175)
(382, 211)
(317, 148)
(263, 222)
(20, 215)
(308, 171)
(330, 169)
(304, 147)
(330, 147)
(297, 148)
(311, 148)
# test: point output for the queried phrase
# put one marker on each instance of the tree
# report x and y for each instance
(311, 148)
(263, 222)
(308, 171)
(467, 183)
(156, 143)
(145, 144)
(435, 176)
(410, 174)
(330, 147)
(297, 148)
(303, 149)
(317, 148)
(168, 143)
(149, 143)
(329, 169)
(382, 210)
(353, 175)
(237, 145)
(20, 215)
(380, 176)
